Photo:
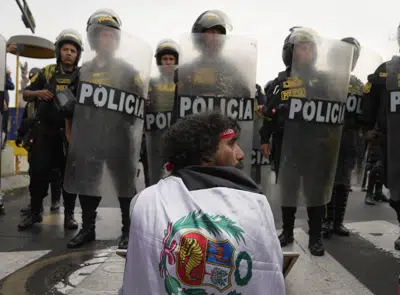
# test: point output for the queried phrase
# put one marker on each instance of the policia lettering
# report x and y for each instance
(111, 99)
(317, 111)
(157, 121)
(394, 102)
(241, 109)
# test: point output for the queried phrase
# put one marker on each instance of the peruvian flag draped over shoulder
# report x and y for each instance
(205, 230)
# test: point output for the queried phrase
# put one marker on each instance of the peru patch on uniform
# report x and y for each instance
(240, 109)
(110, 98)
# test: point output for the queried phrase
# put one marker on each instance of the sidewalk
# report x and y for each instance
(14, 182)
(104, 280)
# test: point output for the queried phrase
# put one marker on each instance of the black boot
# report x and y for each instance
(30, 220)
(55, 187)
(26, 211)
(69, 208)
(315, 215)
(288, 217)
(369, 199)
(342, 195)
(327, 229)
(379, 195)
(123, 241)
(69, 221)
(2, 211)
(126, 222)
(87, 234)
(327, 225)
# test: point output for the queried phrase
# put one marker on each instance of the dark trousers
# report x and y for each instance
(315, 218)
(336, 208)
(47, 156)
(89, 206)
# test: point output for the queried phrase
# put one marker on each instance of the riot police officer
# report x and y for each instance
(159, 109)
(336, 208)
(381, 115)
(202, 76)
(24, 139)
(48, 145)
(304, 147)
(109, 131)
(222, 76)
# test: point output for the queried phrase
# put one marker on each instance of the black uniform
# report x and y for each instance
(112, 134)
(375, 171)
(25, 134)
(336, 208)
(48, 147)
(256, 169)
(376, 106)
(276, 114)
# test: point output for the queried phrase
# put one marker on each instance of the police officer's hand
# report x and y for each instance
(260, 110)
(266, 150)
(45, 95)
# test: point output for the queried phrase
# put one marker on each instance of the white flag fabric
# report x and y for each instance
(205, 231)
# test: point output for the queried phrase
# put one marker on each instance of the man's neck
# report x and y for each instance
(67, 68)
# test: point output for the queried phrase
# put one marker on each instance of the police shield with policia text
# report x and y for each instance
(305, 112)
(107, 122)
(159, 107)
(218, 72)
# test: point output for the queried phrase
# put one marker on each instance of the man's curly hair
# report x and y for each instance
(194, 139)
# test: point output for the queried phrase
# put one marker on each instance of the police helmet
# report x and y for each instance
(357, 49)
(167, 46)
(297, 35)
(99, 20)
(71, 37)
(209, 19)
(33, 72)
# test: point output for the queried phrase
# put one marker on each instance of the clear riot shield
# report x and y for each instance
(393, 127)
(218, 72)
(107, 125)
(260, 166)
(158, 118)
(365, 65)
(3, 52)
(317, 92)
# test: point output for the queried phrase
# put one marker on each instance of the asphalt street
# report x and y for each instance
(37, 261)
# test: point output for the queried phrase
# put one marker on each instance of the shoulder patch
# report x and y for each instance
(49, 71)
(367, 87)
(138, 80)
(34, 78)
(383, 74)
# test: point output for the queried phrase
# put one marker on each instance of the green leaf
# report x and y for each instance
(172, 285)
(213, 224)
(194, 292)
(234, 293)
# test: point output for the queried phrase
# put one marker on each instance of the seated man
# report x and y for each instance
(206, 227)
